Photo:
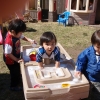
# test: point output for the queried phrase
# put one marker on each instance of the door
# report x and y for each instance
(45, 9)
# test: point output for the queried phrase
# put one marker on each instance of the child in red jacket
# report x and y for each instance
(12, 51)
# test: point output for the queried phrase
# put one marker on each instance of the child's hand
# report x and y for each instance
(33, 42)
(57, 64)
(20, 60)
(40, 64)
(77, 74)
(41, 68)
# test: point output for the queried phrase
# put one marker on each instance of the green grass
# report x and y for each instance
(73, 39)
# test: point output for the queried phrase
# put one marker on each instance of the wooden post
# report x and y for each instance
(39, 10)
(87, 5)
(38, 3)
(95, 5)
(27, 6)
(52, 13)
(51, 9)
(68, 5)
(77, 5)
(42, 4)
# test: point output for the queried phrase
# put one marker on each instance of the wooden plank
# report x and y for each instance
(81, 15)
(60, 6)
(81, 19)
(47, 4)
(96, 5)
(35, 4)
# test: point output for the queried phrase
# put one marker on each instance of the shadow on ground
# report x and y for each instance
(5, 93)
(30, 29)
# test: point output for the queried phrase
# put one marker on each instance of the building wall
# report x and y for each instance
(81, 18)
(60, 6)
(86, 18)
(47, 4)
(98, 11)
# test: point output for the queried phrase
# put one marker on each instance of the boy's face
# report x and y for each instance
(49, 47)
(97, 48)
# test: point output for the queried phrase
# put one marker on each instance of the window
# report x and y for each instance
(73, 4)
(84, 6)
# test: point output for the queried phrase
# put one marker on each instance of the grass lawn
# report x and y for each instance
(74, 39)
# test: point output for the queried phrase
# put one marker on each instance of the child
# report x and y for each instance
(48, 49)
(11, 47)
(88, 63)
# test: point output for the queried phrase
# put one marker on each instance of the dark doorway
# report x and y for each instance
(45, 9)
(45, 14)
(97, 18)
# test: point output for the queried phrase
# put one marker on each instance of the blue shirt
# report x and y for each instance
(88, 64)
(42, 54)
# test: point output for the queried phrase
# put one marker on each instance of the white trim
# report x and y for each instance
(87, 5)
(68, 5)
(77, 5)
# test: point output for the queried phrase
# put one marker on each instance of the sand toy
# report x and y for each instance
(51, 83)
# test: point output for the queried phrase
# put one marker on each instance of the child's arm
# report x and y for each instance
(28, 39)
(81, 63)
(8, 50)
(39, 59)
(77, 74)
(40, 64)
(14, 58)
(57, 64)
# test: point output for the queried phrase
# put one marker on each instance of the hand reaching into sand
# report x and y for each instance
(20, 60)
(77, 74)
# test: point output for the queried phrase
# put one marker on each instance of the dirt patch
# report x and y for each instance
(74, 52)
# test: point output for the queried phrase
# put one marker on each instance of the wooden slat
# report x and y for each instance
(60, 6)
(46, 4)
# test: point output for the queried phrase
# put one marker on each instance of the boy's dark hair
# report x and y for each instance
(47, 37)
(17, 25)
(95, 39)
